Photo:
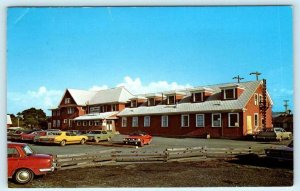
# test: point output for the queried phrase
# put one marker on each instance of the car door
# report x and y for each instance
(13, 157)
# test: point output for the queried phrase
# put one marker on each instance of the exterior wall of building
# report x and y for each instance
(175, 129)
(252, 108)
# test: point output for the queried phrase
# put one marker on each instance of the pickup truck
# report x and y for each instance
(24, 164)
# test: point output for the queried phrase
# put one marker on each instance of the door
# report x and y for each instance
(249, 125)
(12, 160)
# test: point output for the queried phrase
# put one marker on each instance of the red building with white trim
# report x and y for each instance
(223, 110)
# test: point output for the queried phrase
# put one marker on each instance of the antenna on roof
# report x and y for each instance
(255, 73)
(238, 78)
(286, 105)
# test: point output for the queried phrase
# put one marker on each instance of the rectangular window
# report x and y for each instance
(70, 122)
(70, 110)
(256, 119)
(199, 120)
(97, 123)
(164, 121)
(197, 97)
(151, 102)
(135, 121)
(171, 100)
(58, 123)
(229, 94)
(134, 103)
(84, 123)
(53, 113)
(65, 121)
(233, 119)
(255, 99)
(114, 107)
(54, 123)
(78, 123)
(91, 123)
(216, 120)
(95, 109)
(147, 121)
(67, 100)
(185, 120)
(260, 99)
(124, 121)
(58, 113)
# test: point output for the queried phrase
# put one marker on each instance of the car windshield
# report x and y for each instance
(28, 150)
(95, 132)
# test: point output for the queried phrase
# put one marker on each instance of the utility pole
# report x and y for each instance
(256, 74)
(238, 78)
(286, 105)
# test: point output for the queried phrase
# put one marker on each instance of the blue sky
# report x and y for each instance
(145, 49)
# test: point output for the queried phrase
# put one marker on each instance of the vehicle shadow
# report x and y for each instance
(262, 161)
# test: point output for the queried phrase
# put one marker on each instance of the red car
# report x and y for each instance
(138, 138)
(23, 164)
(29, 136)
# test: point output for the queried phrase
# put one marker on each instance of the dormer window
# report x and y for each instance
(67, 100)
(197, 97)
(171, 100)
(151, 101)
(229, 93)
(133, 103)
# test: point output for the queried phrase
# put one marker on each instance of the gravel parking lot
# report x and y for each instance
(257, 171)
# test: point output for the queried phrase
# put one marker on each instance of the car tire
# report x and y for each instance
(23, 176)
(82, 141)
(63, 143)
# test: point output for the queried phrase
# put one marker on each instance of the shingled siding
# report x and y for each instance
(174, 126)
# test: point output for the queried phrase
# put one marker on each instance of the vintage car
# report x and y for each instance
(17, 136)
(63, 138)
(99, 135)
(276, 133)
(138, 138)
(29, 136)
(283, 153)
(24, 164)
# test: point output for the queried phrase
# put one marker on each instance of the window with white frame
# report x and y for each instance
(233, 119)
(146, 121)
(133, 103)
(151, 101)
(54, 123)
(67, 100)
(70, 110)
(95, 109)
(164, 121)
(197, 97)
(229, 93)
(91, 123)
(216, 120)
(58, 123)
(70, 122)
(97, 123)
(113, 107)
(256, 120)
(78, 123)
(171, 100)
(199, 120)
(135, 121)
(84, 123)
(185, 120)
(255, 99)
(65, 121)
(260, 99)
(124, 121)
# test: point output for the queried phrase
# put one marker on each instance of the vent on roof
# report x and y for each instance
(170, 106)
(217, 103)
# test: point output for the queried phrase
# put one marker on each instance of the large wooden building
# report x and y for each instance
(223, 110)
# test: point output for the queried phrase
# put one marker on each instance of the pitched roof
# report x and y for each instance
(81, 97)
(213, 103)
(94, 116)
(118, 94)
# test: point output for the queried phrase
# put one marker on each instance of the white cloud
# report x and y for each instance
(135, 86)
(40, 99)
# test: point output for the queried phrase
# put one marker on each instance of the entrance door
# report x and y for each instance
(249, 124)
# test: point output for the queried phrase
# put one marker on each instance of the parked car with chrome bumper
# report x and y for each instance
(276, 133)
(138, 138)
(24, 164)
(62, 138)
(99, 135)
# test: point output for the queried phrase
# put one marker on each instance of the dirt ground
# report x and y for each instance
(258, 171)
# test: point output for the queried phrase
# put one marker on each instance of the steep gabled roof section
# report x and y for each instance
(113, 95)
(81, 97)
